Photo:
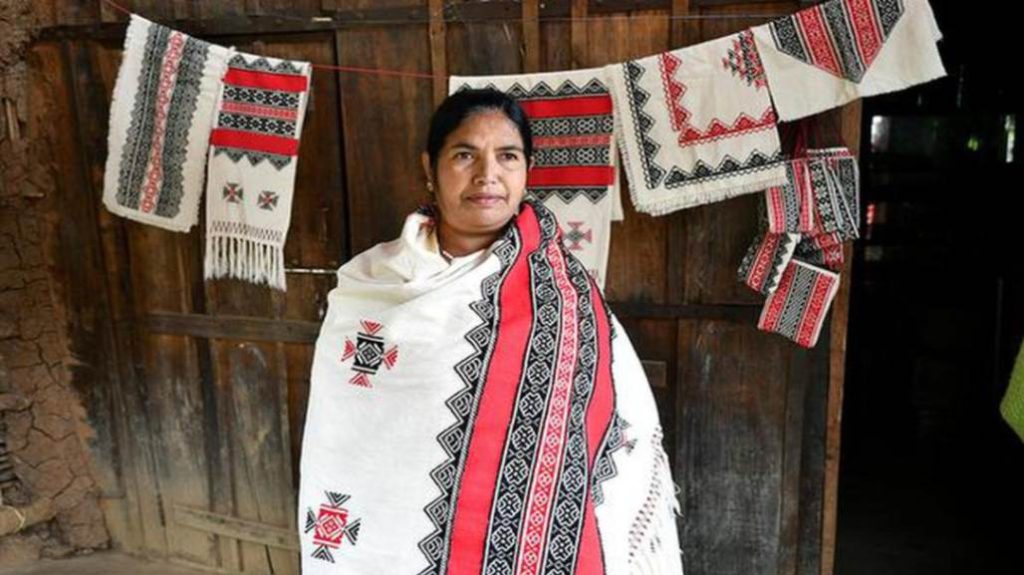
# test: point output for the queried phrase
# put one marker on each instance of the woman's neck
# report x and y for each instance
(458, 244)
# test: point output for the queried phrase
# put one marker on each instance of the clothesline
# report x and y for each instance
(425, 75)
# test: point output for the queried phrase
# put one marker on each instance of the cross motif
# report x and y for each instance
(575, 235)
(267, 200)
(330, 525)
(369, 353)
(232, 193)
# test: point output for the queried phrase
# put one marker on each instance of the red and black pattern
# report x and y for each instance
(516, 488)
(369, 352)
(798, 307)
(331, 525)
(842, 37)
(259, 114)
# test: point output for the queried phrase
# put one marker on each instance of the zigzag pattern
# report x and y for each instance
(463, 406)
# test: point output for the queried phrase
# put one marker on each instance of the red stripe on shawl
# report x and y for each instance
(571, 176)
(598, 418)
(501, 386)
(266, 80)
(566, 107)
(813, 25)
(253, 141)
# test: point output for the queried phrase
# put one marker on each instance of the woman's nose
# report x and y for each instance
(487, 169)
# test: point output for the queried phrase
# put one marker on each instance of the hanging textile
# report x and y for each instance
(574, 152)
(252, 165)
(797, 307)
(467, 417)
(160, 119)
(696, 125)
(806, 220)
(840, 50)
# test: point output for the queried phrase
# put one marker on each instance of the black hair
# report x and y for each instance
(458, 106)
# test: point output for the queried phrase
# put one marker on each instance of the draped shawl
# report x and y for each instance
(483, 415)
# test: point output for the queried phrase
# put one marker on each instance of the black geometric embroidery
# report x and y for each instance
(254, 157)
(604, 465)
(463, 405)
(259, 124)
(567, 195)
(263, 65)
(261, 96)
(841, 34)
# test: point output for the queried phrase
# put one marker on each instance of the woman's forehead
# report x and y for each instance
(483, 128)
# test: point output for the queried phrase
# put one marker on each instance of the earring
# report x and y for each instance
(430, 188)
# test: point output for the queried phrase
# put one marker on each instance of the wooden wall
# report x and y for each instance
(197, 390)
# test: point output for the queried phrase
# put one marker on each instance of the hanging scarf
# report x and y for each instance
(468, 417)
(570, 117)
(160, 119)
(696, 125)
(803, 226)
(253, 159)
(838, 51)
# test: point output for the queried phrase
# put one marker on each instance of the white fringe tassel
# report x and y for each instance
(655, 550)
(245, 259)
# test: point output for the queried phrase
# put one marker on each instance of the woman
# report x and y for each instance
(465, 414)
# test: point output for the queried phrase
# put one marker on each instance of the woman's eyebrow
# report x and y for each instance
(469, 146)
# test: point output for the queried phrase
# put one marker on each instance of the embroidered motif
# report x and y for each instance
(331, 526)
(162, 107)
(743, 61)
(691, 134)
(369, 352)
(842, 37)
(575, 235)
(267, 200)
(233, 193)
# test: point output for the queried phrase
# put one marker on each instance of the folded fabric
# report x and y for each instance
(821, 194)
(160, 119)
(1012, 406)
(840, 50)
(486, 414)
(766, 260)
(253, 159)
(797, 308)
(575, 158)
(696, 125)
(807, 218)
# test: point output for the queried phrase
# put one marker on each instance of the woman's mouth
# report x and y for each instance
(485, 199)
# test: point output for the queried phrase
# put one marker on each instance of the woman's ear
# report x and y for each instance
(425, 160)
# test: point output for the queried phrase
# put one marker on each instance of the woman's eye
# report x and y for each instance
(511, 156)
(463, 155)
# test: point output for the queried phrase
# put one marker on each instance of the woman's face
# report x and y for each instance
(481, 175)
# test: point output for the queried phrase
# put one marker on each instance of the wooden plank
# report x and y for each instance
(247, 328)
(578, 34)
(317, 234)
(531, 36)
(384, 122)
(484, 47)
(235, 527)
(850, 128)
(731, 425)
(438, 59)
(250, 379)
